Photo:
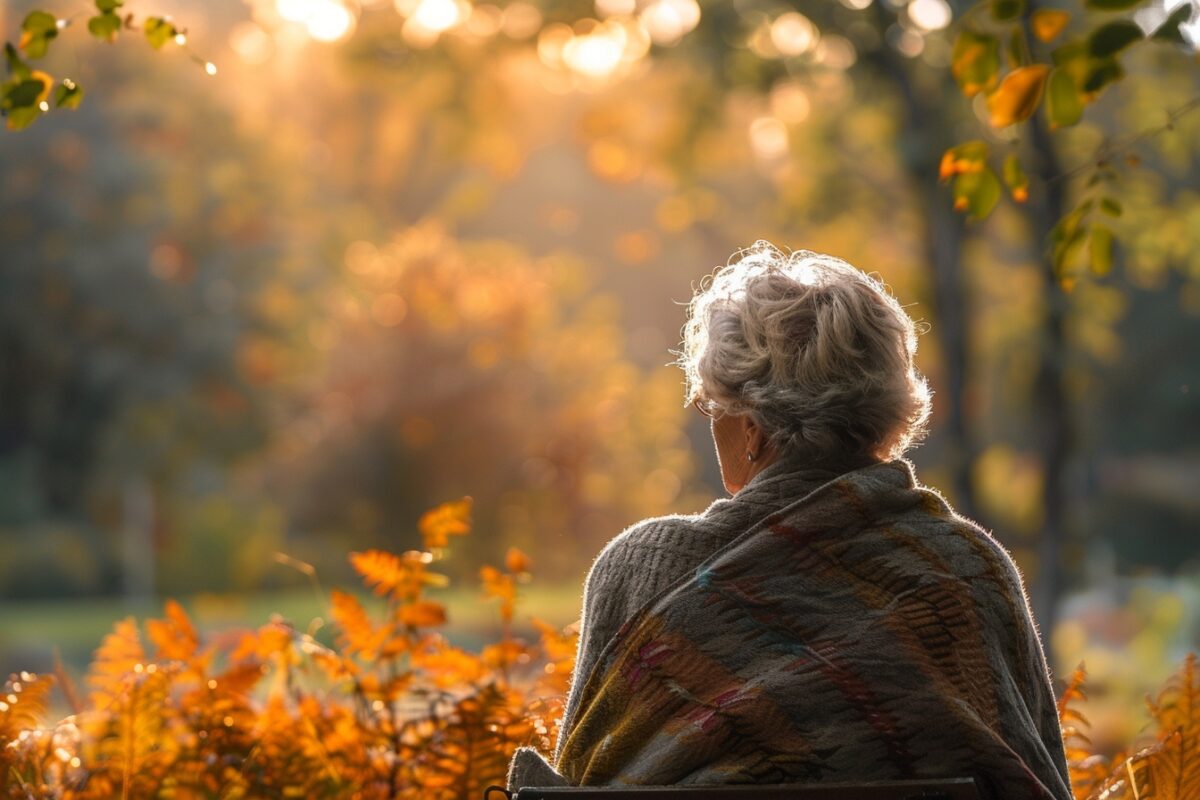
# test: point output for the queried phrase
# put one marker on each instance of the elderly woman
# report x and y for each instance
(832, 621)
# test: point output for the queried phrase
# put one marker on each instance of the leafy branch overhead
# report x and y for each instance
(1013, 59)
(27, 93)
(1022, 59)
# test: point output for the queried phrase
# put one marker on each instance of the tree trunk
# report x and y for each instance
(921, 147)
(1050, 402)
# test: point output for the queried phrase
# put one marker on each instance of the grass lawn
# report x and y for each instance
(31, 631)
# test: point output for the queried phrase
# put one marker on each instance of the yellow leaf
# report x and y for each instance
(1017, 96)
(1048, 23)
(449, 519)
(47, 84)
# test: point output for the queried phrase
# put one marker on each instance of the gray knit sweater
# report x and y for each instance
(647, 558)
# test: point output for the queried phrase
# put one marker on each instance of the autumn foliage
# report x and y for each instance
(389, 708)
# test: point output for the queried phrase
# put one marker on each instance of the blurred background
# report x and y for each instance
(391, 255)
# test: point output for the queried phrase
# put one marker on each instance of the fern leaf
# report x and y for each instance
(1170, 769)
(1177, 707)
(403, 577)
(500, 586)
(174, 637)
(1089, 770)
(119, 655)
(23, 705)
(449, 519)
(358, 635)
(422, 614)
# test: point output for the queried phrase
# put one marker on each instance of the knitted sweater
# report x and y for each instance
(864, 632)
(646, 558)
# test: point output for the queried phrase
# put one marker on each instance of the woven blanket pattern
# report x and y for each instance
(863, 632)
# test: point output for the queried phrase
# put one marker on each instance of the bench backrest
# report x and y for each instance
(953, 789)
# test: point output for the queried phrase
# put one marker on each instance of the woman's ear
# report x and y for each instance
(756, 440)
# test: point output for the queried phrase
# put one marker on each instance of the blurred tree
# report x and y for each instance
(826, 127)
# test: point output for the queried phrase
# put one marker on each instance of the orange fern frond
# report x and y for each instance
(559, 648)
(23, 704)
(500, 586)
(239, 679)
(447, 667)
(174, 637)
(403, 577)
(474, 741)
(119, 655)
(1089, 770)
(359, 636)
(438, 524)
(422, 614)
(1177, 706)
(1170, 768)
(517, 562)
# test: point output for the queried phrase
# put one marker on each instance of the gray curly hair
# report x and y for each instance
(819, 353)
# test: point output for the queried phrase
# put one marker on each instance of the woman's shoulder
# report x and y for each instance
(653, 533)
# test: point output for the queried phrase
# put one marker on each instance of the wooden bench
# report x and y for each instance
(952, 789)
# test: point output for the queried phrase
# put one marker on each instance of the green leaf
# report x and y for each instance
(1067, 53)
(975, 61)
(1113, 37)
(967, 157)
(977, 193)
(16, 67)
(23, 93)
(1018, 50)
(36, 32)
(1064, 104)
(1100, 245)
(1069, 224)
(1110, 206)
(1015, 178)
(105, 26)
(1112, 5)
(40, 22)
(20, 118)
(1169, 30)
(1007, 10)
(159, 31)
(1067, 248)
(108, 6)
(1101, 73)
(68, 94)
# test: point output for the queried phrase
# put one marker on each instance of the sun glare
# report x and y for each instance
(437, 15)
(330, 21)
(596, 54)
(325, 20)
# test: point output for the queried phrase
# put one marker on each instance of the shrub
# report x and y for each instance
(394, 709)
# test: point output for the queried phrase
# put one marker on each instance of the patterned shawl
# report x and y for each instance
(863, 632)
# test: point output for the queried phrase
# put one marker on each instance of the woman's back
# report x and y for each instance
(864, 632)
